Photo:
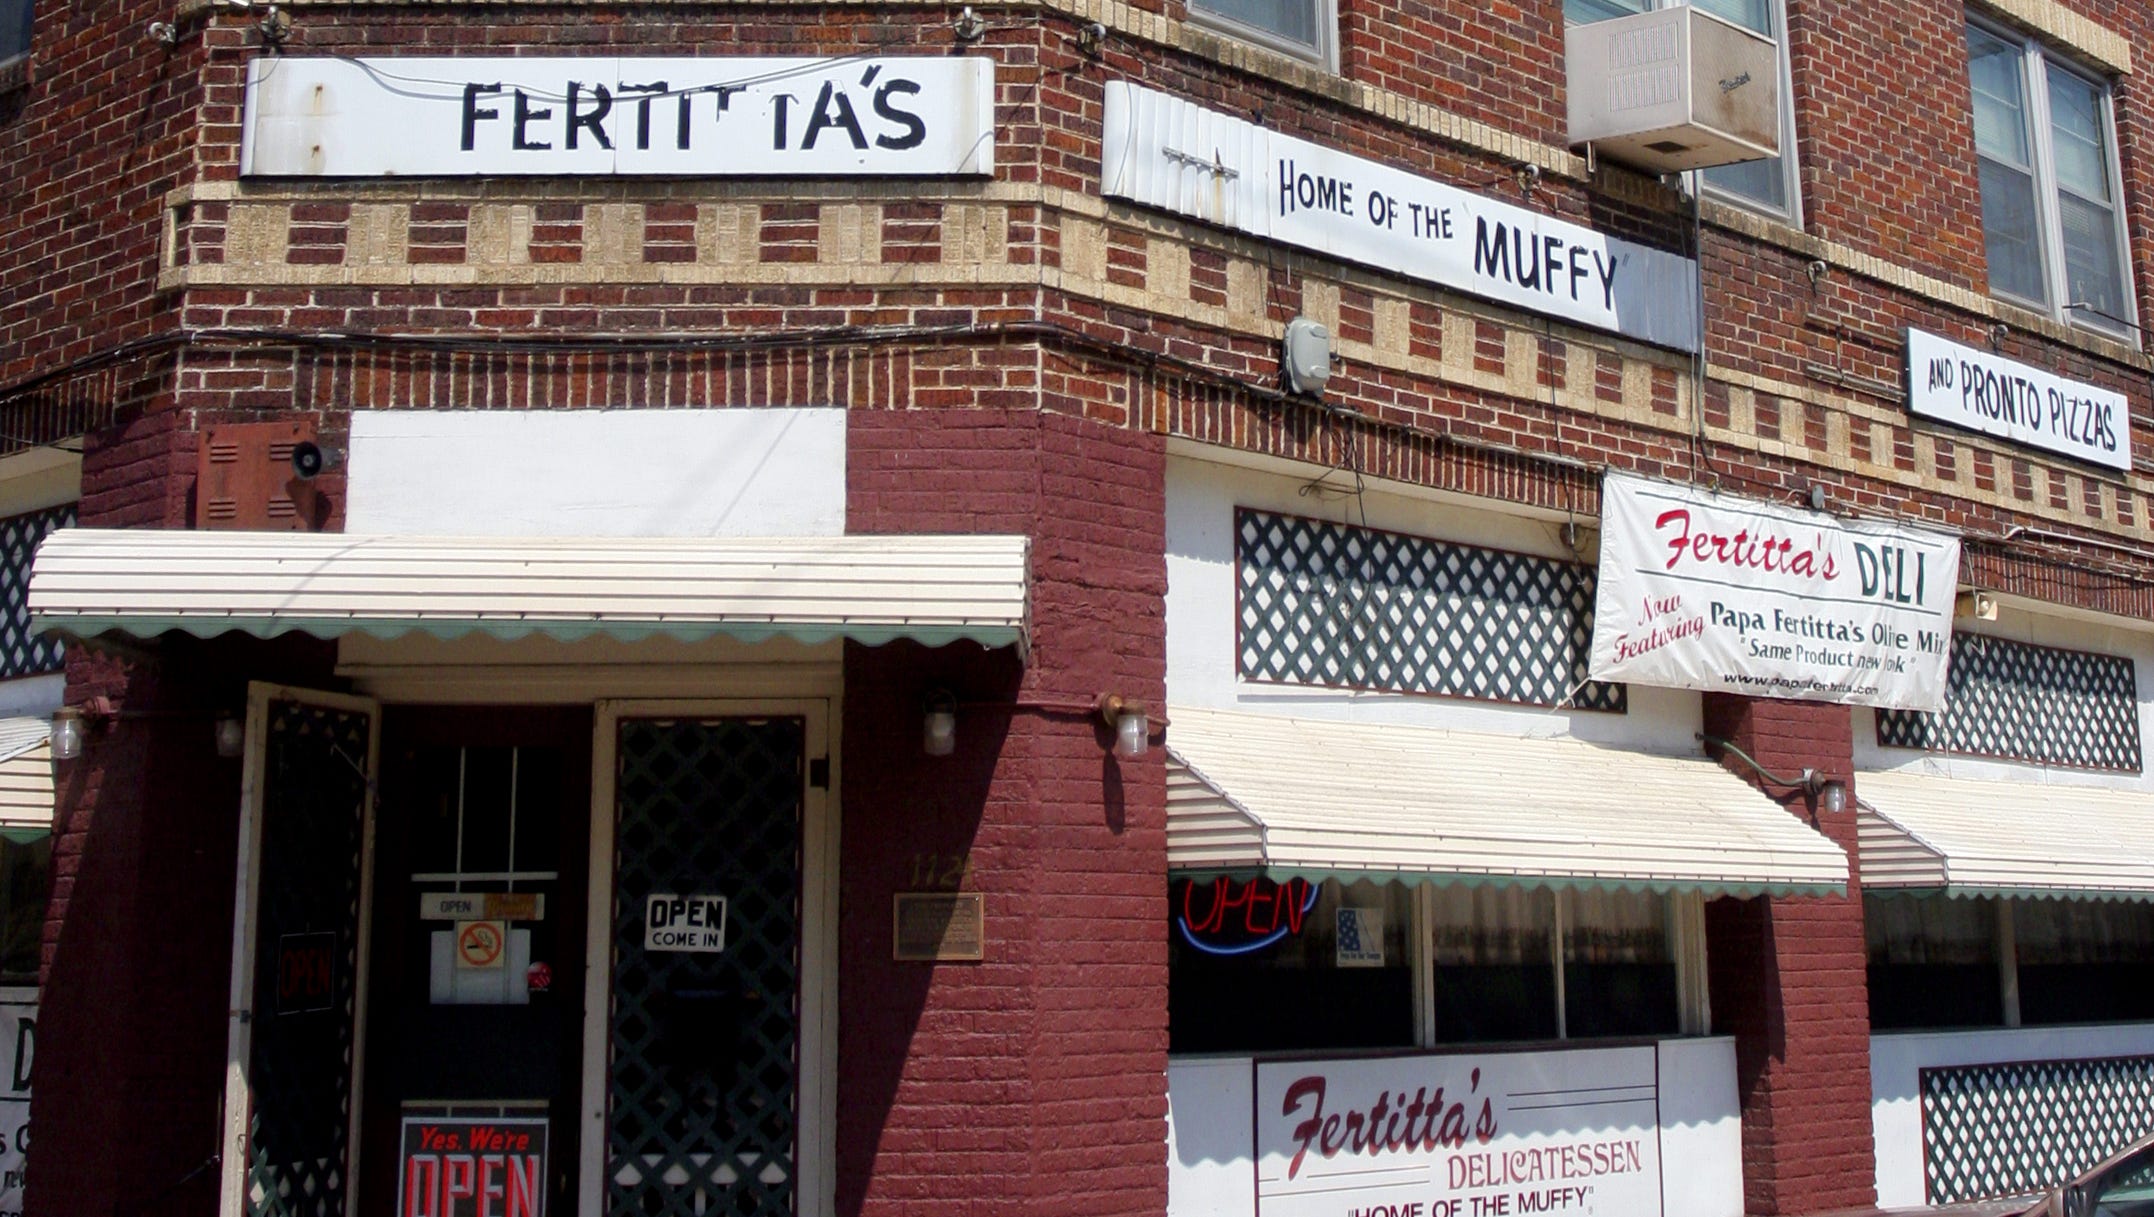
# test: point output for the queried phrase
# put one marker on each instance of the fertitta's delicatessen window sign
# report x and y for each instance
(598, 116)
(1573, 1132)
(1707, 591)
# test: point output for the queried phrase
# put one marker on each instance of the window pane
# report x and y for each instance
(14, 27)
(1750, 14)
(2092, 273)
(1495, 976)
(1256, 966)
(1293, 20)
(25, 884)
(2000, 99)
(1618, 966)
(2083, 961)
(1762, 182)
(2010, 230)
(2075, 120)
(1932, 962)
(1585, 12)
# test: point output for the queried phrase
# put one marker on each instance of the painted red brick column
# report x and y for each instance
(1033, 1081)
(1787, 981)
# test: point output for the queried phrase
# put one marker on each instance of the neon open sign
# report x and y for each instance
(1235, 917)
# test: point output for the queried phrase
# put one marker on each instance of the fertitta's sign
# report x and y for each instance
(599, 115)
(1572, 1132)
(1708, 591)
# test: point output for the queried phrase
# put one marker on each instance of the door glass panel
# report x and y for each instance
(704, 1067)
(476, 990)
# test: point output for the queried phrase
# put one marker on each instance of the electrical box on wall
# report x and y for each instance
(259, 476)
(1673, 89)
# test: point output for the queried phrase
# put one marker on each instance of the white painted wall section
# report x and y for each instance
(1202, 496)
(1701, 1129)
(598, 473)
(1209, 1167)
(1896, 1065)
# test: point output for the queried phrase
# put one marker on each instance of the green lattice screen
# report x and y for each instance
(704, 1069)
(299, 1065)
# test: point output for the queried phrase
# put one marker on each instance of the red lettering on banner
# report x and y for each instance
(1740, 550)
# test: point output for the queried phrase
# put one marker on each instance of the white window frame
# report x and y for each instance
(1324, 53)
(1790, 210)
(2036, 62)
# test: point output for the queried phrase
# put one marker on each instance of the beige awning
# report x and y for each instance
(25, 777)
(1978, 838)
(87, 582)
(1314, 798)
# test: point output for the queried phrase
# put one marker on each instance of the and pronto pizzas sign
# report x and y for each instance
(473, 1167)
(1497, 1135)
(1708, 591)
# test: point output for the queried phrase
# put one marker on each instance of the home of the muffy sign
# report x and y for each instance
(1165, 152)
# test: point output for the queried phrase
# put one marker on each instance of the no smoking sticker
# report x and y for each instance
(479, 944)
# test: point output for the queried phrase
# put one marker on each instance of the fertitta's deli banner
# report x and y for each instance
(1707, 591)
(600, 115)
(1165, 152)
(1573, 1132)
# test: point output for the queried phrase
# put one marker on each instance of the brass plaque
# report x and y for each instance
(937, 925)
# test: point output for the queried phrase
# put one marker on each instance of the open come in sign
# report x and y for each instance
(683, 923)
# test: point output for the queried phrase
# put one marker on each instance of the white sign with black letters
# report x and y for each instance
(604, 116)
(1699, 590)
(683, 923)
(1986, 392)
(1168, 153)
(18, 1029)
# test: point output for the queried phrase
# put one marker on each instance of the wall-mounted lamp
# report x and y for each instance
(1132, 730)
(66, 733)
(1976, 604)
(938, 723)
(1829, 794)
(231, 736)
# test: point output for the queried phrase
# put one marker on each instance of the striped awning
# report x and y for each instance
(2027, 839)
(1326, 799)
(25, 778)
(143, 582)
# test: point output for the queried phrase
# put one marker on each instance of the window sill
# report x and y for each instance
(17, 74)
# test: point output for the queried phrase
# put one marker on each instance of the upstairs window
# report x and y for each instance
(14, 30)
(1307, 29)
(1765, 185)
(2045, 139)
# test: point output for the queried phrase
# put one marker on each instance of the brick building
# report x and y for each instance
(690, 608)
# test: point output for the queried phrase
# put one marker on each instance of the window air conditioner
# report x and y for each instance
(1672, 89)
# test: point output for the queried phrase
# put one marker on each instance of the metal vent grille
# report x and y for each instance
(1319, 603)
(703, 1080)
(2004, 1130)
(300, 1061)
(21, 652)
(2028, 703)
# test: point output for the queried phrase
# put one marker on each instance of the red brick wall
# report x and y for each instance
(1033, 1081)
(137, 955)
(1786, 979)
